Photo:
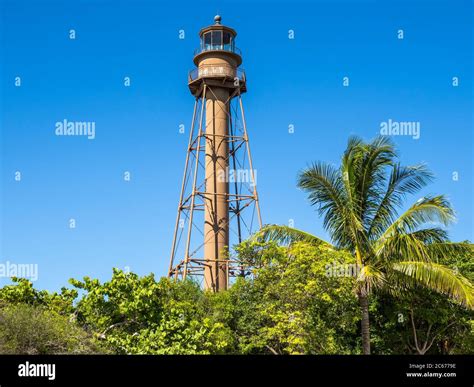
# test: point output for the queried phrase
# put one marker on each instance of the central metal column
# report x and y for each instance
(216, 218)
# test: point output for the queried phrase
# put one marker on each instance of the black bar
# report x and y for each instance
(297, 370)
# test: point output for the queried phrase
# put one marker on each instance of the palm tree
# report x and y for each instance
(360, 203)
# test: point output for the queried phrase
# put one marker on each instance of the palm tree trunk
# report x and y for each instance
(365, 323)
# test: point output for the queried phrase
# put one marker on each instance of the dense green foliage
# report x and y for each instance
(293, 304)
(33, 322)
(134, 315)
(442, 326)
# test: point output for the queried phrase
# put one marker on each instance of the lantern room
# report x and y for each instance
(217, 37)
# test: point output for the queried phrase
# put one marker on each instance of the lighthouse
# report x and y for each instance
(219, 184)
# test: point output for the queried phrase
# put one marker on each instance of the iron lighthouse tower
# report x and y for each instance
(218, 205)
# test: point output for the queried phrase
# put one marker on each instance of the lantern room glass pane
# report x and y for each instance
(206, 41)
(217, 40)
(227, 40)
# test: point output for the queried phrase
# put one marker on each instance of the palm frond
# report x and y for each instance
(371, 177)
(325, 189)
(429, 209)
(439, 278)
(415, 245)
(402, 181)
(287, 236)
(446, 250)
(363, 168)
(350, 167)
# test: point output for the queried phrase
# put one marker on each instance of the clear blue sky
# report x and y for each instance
(295, 82)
